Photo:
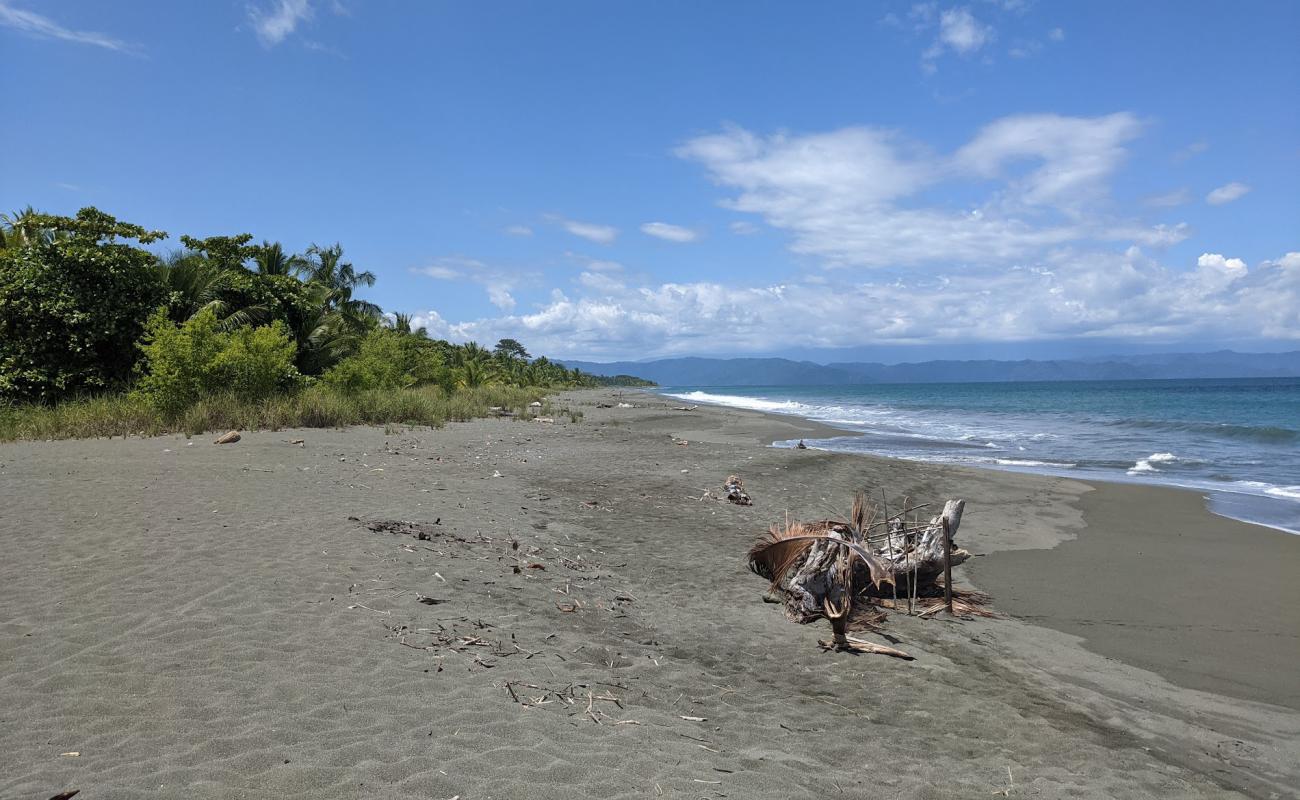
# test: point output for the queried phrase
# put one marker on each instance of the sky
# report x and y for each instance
(620, 180)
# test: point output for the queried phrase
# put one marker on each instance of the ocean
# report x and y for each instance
(1236, 440)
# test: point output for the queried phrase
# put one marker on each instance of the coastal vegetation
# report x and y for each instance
(101, 335)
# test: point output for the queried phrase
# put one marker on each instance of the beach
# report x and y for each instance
(511, 609)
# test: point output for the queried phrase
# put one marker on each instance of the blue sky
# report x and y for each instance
(618, 180)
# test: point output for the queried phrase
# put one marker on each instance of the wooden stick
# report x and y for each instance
(893, 585)
(947, 566)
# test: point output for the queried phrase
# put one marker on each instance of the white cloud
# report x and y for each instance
(852, 196)
(1191, 150)
(1056, 34)
(743, 228)
(440, 272)
(602, 265)
(1077, 154)
(959, 30)
(600, 282)
(1177, 197)
(1227, 193)
(519, 230)
(1068, 295)
(601, 234)
(274, 25)
(497, 282)
(671, 233)
(41, 27)
(500, 297)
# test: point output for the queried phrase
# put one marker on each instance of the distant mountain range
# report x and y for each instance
(784, 372)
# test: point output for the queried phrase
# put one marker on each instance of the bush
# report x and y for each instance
(184, 363)
(388, 359)
(256, 362)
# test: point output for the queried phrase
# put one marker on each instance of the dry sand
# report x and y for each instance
(194, 620)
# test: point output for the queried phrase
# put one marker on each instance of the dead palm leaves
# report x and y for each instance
(822, 569)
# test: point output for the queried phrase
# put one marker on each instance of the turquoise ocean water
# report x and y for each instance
(1236, 440)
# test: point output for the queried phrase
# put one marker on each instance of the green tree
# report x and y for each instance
(73, 302)
(510, 348)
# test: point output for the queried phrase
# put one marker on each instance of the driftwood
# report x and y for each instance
(736, 491)
(227, 438)
(819, 569)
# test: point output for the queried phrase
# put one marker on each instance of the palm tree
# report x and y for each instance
(472, 374)
(272, 260)
(400, 323)
(193, 283)
(22, 228)
(473, 352)
(325, 265)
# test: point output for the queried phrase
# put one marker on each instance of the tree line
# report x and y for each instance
(87, 308)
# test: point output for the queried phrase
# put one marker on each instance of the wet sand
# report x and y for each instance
(226, 621)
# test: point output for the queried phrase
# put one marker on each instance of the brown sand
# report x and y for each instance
(206, 621)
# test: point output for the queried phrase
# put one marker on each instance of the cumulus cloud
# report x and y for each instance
(274, 24)
(593, 232)
(671, 233)
(850, 196)
(1071, 294)
(1227, 193)
(42, 27)
(500, 297)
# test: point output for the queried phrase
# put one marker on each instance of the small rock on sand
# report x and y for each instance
(227, 438)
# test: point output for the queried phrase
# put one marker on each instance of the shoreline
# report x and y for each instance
(1260, 559)
(181, 613)
(1241, 506)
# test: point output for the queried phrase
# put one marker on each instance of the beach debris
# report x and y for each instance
(71, 754)
(68, 795)
(823, 569)
(801, 445)
(229, 437)
(736, 491)
(543, 419)
(535, 404)
(626, 405)
(604, 405)
(684, 408)
(680, 442)
(428, 601)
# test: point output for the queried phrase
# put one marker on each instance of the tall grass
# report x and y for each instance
(316, 407)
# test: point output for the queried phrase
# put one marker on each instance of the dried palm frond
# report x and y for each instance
(781, 548)
(965, 603)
